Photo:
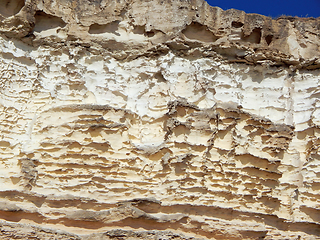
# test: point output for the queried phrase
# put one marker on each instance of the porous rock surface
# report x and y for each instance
(162, 119)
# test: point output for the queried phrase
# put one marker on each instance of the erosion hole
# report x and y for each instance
(139, 30)
(159, 77)
(254, 37)
(46, 21)
(236, 24)
(196, 31)
(150, 34)
(268, 39)
(10, 7)
(111, 27)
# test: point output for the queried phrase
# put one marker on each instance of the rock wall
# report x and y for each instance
(157, 119)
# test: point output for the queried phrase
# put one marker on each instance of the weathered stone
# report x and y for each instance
(157, 120)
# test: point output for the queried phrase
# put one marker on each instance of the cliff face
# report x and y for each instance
(160, 119)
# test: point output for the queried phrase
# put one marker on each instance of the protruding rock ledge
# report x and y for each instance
(127, 29)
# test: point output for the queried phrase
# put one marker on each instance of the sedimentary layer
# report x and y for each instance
(157, 120)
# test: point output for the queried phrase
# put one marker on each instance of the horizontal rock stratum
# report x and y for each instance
(157, 119)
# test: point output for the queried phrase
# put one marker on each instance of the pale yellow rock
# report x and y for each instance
(157, 120)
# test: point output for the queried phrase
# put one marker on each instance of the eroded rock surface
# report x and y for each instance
(157, 120)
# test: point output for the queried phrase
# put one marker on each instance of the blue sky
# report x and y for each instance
(272, 8)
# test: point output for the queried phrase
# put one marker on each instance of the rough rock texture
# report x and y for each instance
(162, 119)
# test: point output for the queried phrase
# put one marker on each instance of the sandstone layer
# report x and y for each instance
(162, 119)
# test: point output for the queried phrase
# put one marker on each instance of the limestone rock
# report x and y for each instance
(157, 120)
